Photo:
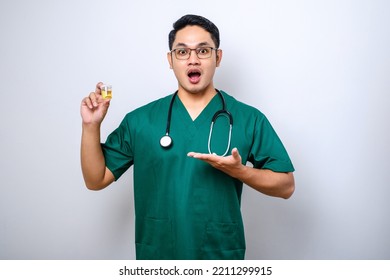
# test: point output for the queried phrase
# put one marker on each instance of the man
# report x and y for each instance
(187, 194)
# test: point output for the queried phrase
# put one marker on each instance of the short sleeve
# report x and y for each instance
(267, 150)
(117, 150)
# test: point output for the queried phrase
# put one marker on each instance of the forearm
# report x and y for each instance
(266, 181)
(92, 159)
(263, 180)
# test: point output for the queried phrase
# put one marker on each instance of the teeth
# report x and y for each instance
(193, 73)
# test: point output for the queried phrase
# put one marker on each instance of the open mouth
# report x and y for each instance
(194, 76)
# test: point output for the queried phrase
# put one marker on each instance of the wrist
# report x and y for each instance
(91, 127)
(243, 173)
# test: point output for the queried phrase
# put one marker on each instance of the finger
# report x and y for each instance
(94, 98)
(205, 157)
(195, 155)
(87, 102)
(98, 87)
(192, 154)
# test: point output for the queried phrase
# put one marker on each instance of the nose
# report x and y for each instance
(193, 59)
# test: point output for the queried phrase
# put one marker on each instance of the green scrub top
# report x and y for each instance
(185, 208)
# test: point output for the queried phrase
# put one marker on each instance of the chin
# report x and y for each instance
(195, 89)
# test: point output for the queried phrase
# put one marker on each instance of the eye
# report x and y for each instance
(181, 52)
(203, 51)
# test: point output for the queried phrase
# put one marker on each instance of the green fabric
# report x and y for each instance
(186, 209)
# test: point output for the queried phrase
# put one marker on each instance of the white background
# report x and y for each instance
(319, 70)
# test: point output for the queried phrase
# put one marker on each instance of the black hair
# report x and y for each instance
(194, 20)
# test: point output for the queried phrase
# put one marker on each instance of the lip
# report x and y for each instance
(194, 70)
(194, 79)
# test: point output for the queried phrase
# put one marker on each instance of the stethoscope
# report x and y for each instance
(166, 141)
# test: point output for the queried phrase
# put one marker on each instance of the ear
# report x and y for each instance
(169, 57)
(219, 57)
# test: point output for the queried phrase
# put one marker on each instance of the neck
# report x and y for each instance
(195, 102)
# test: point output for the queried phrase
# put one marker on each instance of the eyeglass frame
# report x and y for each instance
(190, 51)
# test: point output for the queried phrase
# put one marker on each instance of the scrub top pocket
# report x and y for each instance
(154, 240)
(223, 241)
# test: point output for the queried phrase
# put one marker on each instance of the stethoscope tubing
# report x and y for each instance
(166, 141)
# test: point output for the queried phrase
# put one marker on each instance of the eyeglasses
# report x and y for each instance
(185, 53)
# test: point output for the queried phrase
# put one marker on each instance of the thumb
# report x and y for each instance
(236, 154)
(106, 102)
(105, 105)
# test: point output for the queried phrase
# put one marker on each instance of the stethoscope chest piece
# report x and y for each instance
(166, 141)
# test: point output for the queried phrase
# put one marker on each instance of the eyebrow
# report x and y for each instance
(202, 44)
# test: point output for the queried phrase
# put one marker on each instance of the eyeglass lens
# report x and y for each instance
(185, 53)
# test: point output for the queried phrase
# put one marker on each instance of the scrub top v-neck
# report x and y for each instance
(185, 208)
